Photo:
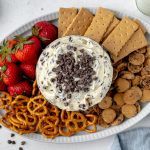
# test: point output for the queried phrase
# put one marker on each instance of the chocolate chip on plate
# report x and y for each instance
(12, 135)
(13, 142)
(23, 143)
(20, 148)
(9, 141)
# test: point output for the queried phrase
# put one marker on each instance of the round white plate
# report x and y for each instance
(101, 133)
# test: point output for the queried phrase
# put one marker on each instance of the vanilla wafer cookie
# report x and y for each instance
(137, 41)
(114, 23)
(120, 36)
(99, 25)
(66, 15)
(80, 23)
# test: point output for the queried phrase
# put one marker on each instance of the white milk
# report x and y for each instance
(144, 6)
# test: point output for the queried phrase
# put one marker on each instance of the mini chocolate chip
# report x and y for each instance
(69, 47)
(52, 80)
(23, 143)
(74, 48)
(9, 141)
(82, 50)
(64, 99)
(12, 135)
(54, 69)
(70, 39)
(95, 78)
(69, 96)
(13, 142)
(0, 126)
(66, 104)
(20, 148)
(82, 106)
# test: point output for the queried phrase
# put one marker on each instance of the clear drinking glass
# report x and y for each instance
(143, 6)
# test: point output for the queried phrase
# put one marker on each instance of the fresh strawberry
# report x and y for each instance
(11, 74)
(28, 70)
(20, 88)
(7, 52)
(28, 49)
(46, 31)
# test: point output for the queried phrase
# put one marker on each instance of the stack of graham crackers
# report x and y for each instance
(118, 37)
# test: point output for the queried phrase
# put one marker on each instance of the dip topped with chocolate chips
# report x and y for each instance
(74, 73)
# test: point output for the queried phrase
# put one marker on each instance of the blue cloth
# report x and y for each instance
(136, 139)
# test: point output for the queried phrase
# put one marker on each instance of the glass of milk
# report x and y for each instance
(143, 6)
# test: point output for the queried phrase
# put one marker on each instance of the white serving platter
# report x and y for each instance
(83, 136)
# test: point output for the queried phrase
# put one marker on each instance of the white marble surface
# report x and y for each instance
(15, 13)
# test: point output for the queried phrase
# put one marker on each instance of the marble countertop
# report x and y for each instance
(15, 13)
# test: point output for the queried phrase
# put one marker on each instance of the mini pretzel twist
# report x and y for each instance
(35, 90)
(77, 122)
(5, 100)
(20, 102)
(48, 128)
(91, 123)
(37, 105)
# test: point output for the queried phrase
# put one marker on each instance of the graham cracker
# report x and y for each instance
(66, 15)
(140, 25)
(99, 25)
(136, 42)
(80, 23)
(120, 36)
(114, 23)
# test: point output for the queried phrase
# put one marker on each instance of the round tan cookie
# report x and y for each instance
(108, 115)
(134, 68)
(121, 66)
(145, 82)
(136, 81)
(136, 58)
(102, 123)
(145, 96)
(118, 98)
(118, 120)
(122, 85)
(105, 103)
(147, 61)
(145, 71)
(142, 50)
(129, 110)
(132, 95)
(117, 108)
(127, 75)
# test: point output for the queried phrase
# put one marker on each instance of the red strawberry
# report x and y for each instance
(46, 31)
(28, 70)
(11, 74)
(20, 88)
(7, 52)
(28, 49)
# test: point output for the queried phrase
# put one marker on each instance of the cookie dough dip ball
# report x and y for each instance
(74, 73)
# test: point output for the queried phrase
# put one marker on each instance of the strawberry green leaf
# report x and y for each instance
(20, 38)
(35, 30)
(3, 68)
(3, 57)
(28, 42)
(8, 58)
(13, 51)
